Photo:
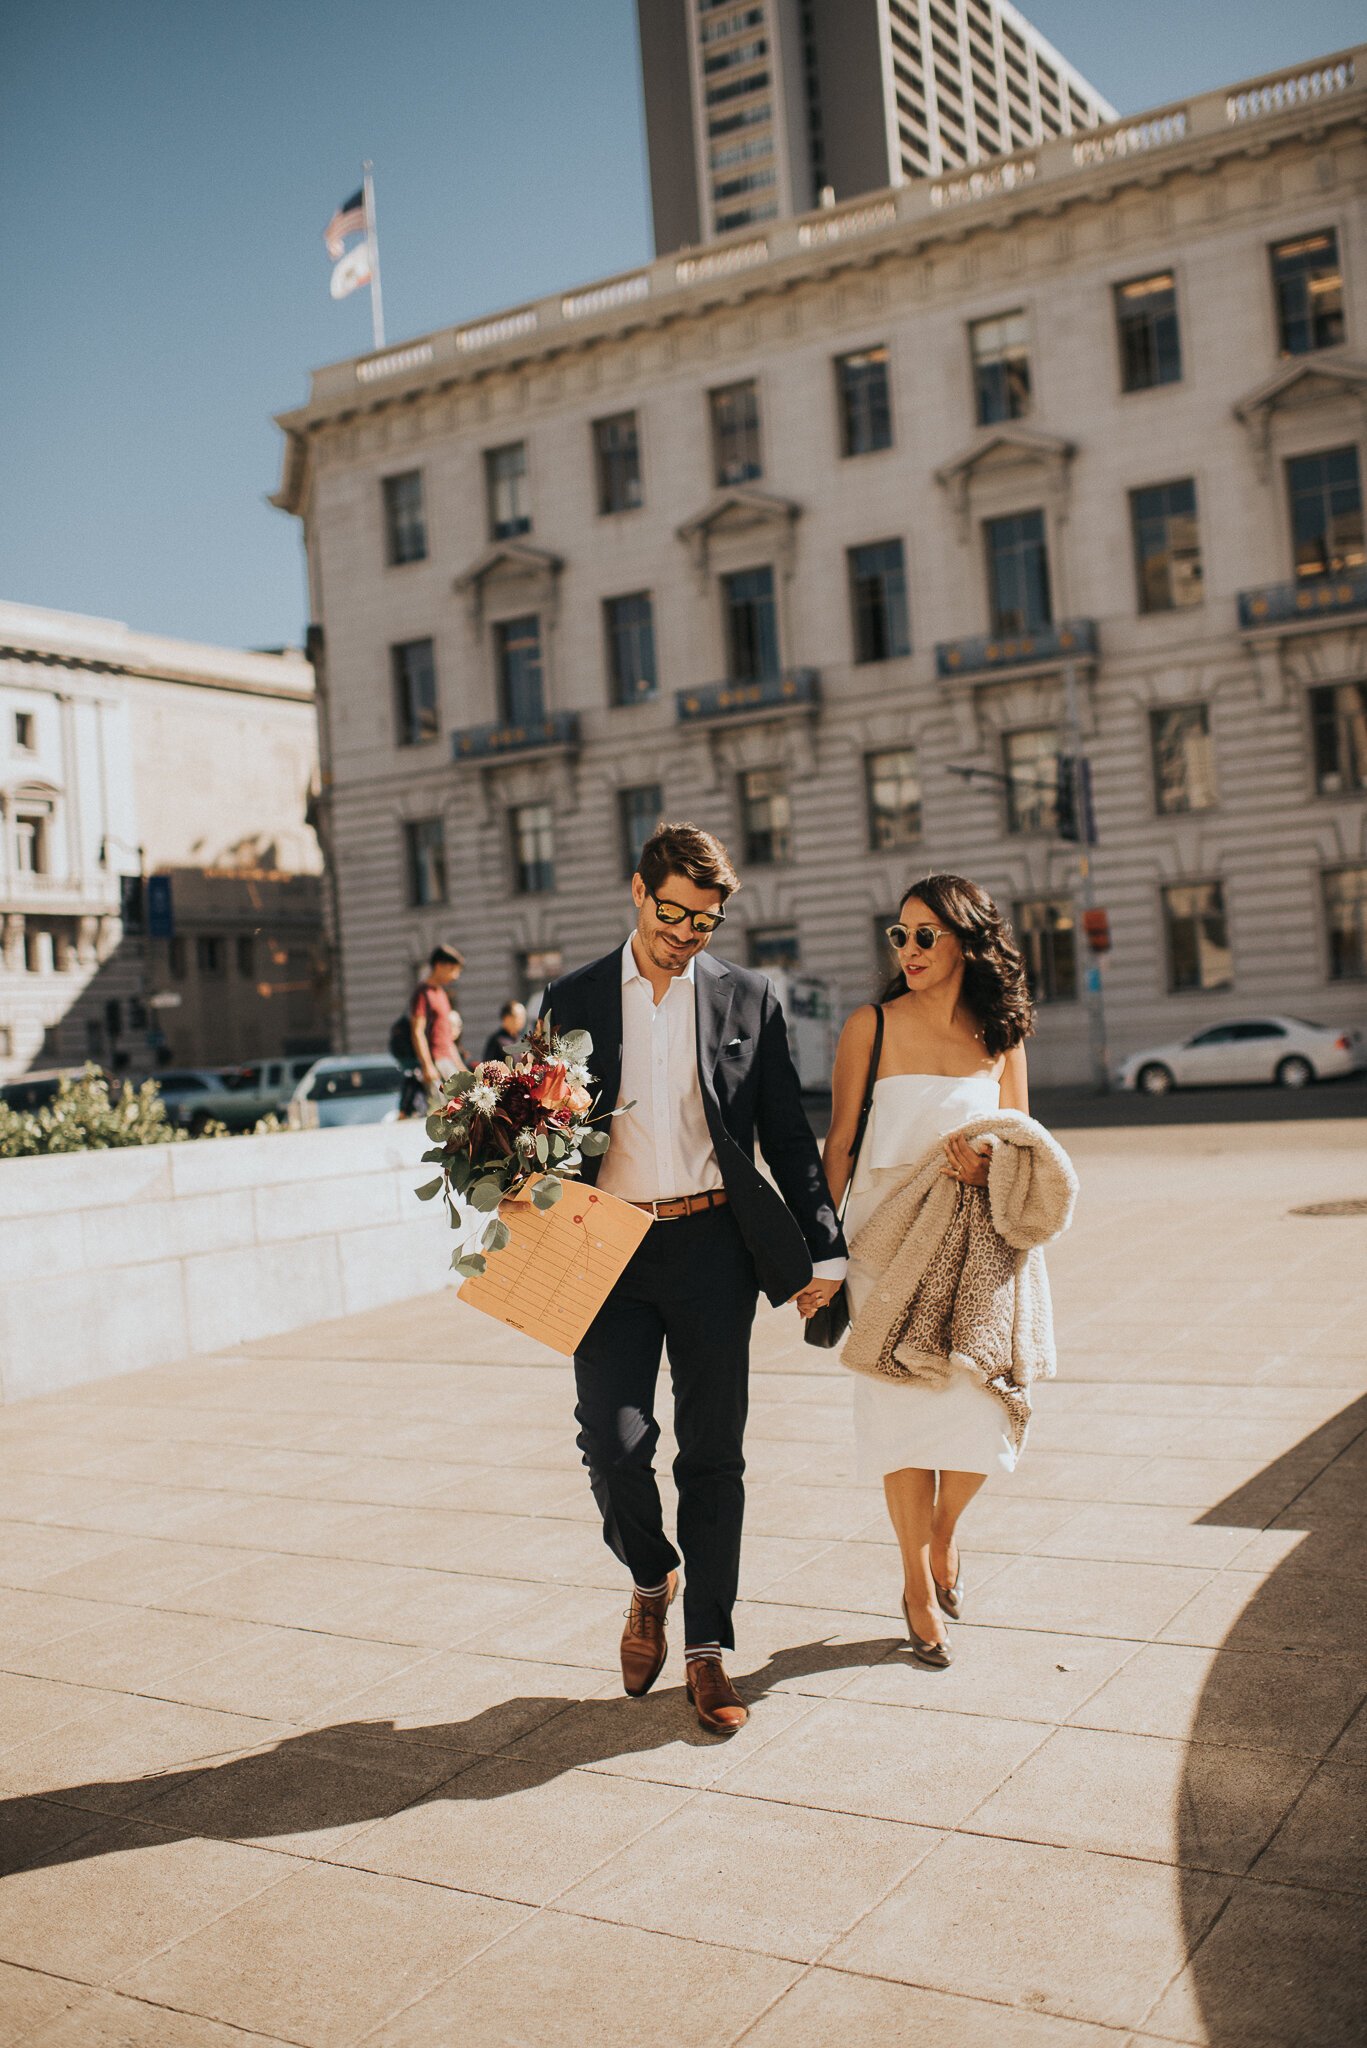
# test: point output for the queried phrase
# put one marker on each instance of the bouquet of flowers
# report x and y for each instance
(527, 1118)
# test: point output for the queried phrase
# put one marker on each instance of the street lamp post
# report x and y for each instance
(1082, 785)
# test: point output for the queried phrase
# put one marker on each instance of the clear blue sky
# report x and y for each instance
(168, 167)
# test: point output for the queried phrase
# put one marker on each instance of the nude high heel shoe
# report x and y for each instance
(935, 1656)
(951, 1598)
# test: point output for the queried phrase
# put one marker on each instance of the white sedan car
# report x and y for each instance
(1286, 1050)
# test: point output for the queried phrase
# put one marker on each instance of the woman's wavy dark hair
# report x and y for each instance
(994, 973)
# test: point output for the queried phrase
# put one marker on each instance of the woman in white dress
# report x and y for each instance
(956, 1015)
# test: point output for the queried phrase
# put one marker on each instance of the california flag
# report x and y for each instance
(351, 271)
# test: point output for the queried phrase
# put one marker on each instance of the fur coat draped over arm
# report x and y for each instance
(961, 1280)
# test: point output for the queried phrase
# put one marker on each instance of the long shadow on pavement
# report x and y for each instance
(355, 1772)
(1284, 1963)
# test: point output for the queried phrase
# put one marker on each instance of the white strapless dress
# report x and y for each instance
(961, 1427)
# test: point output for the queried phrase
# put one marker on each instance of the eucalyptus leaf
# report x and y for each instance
(543, 1150)
(470, 1266)
(496, 1236)
(434, 1157)
(486, 1194)
(437, 1128)
(576, 1045)
(594, 1142)
(428, 1189)
(459, 1084)
(547, 1192)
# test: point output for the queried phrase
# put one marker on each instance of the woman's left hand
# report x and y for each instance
(966, 1163)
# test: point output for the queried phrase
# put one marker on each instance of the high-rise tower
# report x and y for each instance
(755, 107)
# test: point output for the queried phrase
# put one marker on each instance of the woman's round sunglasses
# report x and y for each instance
(925, 935)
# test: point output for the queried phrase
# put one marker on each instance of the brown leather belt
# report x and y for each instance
(671, 1207)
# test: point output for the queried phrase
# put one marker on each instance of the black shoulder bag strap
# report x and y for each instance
(829, 1324)
(865, 1107)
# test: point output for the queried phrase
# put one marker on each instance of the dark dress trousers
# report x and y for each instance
(692, 1286)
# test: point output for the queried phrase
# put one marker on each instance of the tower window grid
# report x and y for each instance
(969, 87)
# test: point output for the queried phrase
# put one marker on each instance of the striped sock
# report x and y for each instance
(694, 1650)
(652, 1592)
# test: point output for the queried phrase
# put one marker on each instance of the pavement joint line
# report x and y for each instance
(1124, 2030)
(777, 1999)
(134, 1998)
(531, 1913)
(1189, 1959)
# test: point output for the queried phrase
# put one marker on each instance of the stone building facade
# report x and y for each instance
(1061, 457)
(126, 756)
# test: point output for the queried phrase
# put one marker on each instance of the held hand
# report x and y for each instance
(965, 1162)
(815, 1295)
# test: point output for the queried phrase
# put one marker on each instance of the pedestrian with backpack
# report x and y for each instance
(426, 1039)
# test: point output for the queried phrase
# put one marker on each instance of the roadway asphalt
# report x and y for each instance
(1077, 1109)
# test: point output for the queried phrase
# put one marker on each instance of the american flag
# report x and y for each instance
(349, 219)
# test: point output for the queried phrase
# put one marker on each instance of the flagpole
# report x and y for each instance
(373, 250)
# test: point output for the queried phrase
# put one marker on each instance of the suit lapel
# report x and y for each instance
(603, 1022)
(715, 991)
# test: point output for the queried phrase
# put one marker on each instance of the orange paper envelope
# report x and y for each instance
(559, 1265)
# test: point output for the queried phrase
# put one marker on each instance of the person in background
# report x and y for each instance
(512, 1022)
(436, 1027)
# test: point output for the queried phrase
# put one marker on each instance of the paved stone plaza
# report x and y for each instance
(310, 1730)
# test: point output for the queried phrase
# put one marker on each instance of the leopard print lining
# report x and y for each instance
(964, 1299)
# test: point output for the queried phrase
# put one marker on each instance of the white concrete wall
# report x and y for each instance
(110, 1261)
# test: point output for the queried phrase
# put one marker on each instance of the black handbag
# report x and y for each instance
(826, 1328)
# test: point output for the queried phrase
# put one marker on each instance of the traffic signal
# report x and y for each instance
(1097, 926)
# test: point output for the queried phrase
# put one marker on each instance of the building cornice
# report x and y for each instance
(47, 658)
(84, 645)
(1294, 106)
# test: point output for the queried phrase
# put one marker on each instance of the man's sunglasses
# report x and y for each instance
(675, 913)
(924, 935)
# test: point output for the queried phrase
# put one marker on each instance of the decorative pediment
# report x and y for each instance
(1002, 451)
(1297, 386)
(512, 563)
(34, 790)
(739, 510)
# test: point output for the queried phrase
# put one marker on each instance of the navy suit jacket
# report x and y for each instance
(750, 1091)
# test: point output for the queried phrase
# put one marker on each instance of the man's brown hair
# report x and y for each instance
(689, 851)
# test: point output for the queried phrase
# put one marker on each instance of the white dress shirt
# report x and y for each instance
(661, 1146)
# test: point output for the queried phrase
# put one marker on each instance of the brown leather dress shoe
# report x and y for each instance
(720, 1708)
(644, 1648)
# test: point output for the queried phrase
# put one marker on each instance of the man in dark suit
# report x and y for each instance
(698, 1049)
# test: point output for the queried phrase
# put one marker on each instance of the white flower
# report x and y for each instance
(482, 1097)
(577, 1074)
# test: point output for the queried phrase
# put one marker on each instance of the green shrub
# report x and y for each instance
(84, 1117)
